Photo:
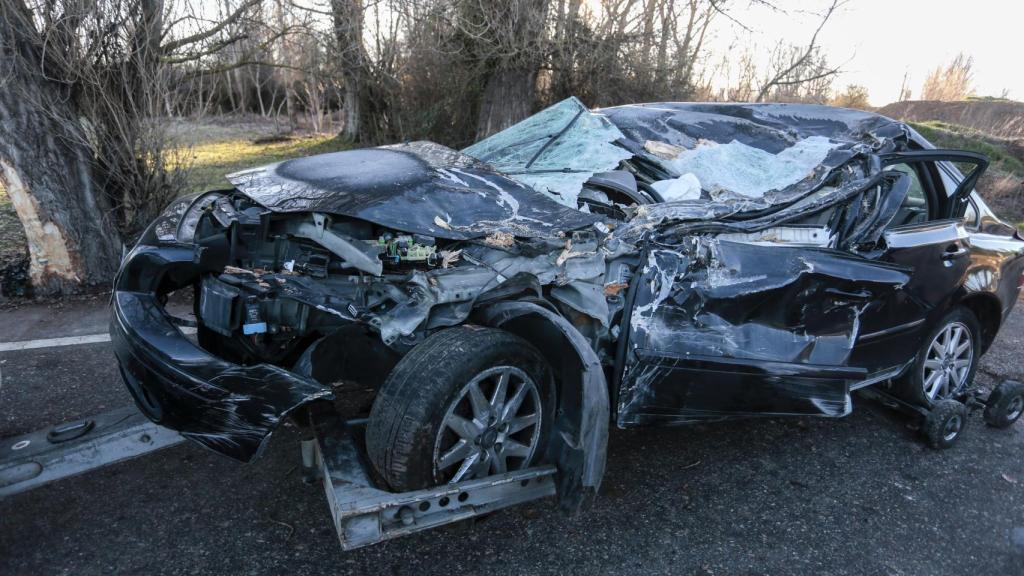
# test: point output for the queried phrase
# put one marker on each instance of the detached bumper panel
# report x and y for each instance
(225, 407)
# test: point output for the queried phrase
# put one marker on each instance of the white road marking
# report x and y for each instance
(65, 341)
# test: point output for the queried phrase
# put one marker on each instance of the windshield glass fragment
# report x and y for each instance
(556, 150)
(745, 170)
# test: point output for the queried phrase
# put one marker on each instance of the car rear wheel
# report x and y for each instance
(468, 402)
(1005, 405)
(944, 367)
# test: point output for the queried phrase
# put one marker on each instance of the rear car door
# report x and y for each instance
(927, 236)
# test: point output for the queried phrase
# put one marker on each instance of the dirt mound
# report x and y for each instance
(1002, 119)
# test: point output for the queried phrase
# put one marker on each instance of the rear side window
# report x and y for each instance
(915, 208)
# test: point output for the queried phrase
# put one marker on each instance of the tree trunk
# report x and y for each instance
(350, 108)
(47, 169)
(348, 32)
(518, 45)
(143, 67)
(507, 99)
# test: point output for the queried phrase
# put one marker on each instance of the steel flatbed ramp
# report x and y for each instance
(74, 448)
(364, 514)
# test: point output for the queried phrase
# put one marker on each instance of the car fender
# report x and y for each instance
(579, 441)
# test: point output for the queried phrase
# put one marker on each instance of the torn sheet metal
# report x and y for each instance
(768, 127)
(227, 408)
(710, 323)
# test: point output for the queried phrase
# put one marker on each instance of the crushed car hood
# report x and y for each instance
(419, 187)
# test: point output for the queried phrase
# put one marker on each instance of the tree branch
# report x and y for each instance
(239, 64)
(777, 80)
(213, 49)
(173, 45)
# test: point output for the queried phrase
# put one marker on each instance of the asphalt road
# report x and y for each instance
(860, 495)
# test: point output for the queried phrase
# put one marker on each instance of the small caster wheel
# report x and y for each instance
(1005, 405)
(944, 424)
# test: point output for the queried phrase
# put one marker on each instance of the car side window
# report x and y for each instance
(915, 208)
(971, 215)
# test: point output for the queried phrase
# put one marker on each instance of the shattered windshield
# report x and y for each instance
(556, 150)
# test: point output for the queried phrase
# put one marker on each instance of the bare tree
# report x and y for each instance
(508, 39)
(629, 50)
(348, 31)
(803, 66)
(80, 155)
(905, 93)
(853, 96)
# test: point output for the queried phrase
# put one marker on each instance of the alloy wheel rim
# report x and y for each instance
(1015, 408)
(492, 426)
(948, 363)
(952, 428)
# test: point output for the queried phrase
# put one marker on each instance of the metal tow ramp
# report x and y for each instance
(364, 514)
(65, 450)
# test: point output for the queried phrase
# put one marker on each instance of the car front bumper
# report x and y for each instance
(228, 408)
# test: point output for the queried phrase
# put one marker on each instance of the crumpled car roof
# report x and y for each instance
(751, 156)
(772, 127)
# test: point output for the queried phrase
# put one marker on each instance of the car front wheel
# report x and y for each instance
(468, 402)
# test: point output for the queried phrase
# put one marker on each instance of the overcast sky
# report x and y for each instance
(877, 41)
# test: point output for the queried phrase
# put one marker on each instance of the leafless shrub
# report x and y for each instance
(952, 82)
(853, 96)
(1004, 193)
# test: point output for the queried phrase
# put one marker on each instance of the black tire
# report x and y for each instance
(945, 424)
(911, 386)
(405, 422)
(1005, 404)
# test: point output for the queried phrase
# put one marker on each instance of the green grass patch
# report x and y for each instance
(210, 162)
(946, 135)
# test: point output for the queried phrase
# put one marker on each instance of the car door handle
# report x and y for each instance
(954, 252)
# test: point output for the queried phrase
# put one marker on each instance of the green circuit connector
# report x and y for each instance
(406, 249)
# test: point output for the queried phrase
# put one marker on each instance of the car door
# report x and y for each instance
(734, 329)
(927, 236)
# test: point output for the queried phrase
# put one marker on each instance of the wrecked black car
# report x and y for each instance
(499, 306)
